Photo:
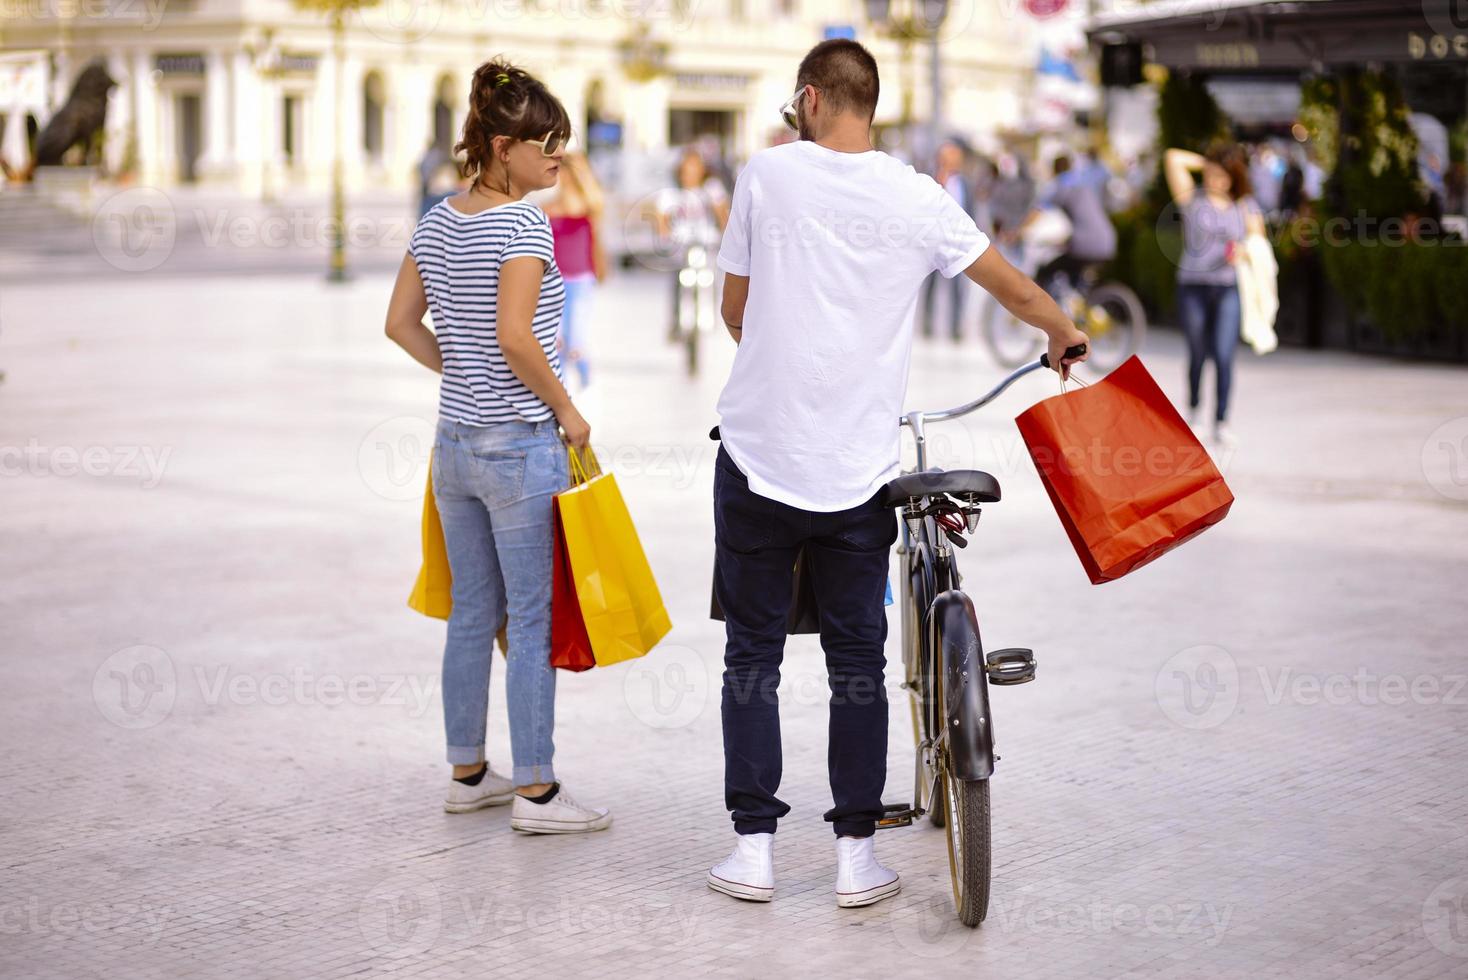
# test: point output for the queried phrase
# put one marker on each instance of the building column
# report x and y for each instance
(119, 116)
(411, 97)
(145, 97)
(353, 105)
(249, 120)
(12, 141)
(217, 160)
(645, 115)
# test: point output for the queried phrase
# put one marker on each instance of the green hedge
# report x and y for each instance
(1404, 288)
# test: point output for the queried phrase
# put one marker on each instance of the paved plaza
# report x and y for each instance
(222, 741)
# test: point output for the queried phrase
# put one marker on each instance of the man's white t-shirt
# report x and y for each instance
(836, 247)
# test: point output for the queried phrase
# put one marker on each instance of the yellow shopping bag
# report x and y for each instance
(432, 594)
(620, 602)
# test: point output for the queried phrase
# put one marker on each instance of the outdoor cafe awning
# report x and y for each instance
(1288, 35)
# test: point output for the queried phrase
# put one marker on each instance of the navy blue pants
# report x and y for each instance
(846, 553)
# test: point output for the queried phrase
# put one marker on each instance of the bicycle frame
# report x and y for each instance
(929, 591)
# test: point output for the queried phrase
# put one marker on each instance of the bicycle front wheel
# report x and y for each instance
(1012, 341)
(969, 845)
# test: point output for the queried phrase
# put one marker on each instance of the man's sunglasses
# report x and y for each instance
(551, 143)
(789, 111)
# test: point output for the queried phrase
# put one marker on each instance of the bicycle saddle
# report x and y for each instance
(909, 485)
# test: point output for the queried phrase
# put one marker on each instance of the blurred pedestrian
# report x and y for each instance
(438, 177)
(690, 214)
(1266, 174)
(950, 177)
(1011, 199)
(1216, 218)
(575, 217)
(484, 261)
(1080, 192)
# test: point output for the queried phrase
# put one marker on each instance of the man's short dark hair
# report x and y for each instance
(846, 74)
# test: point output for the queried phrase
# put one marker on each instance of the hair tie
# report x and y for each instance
(500, 79)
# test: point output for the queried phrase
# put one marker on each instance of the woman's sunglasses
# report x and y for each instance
(789, 111)
(551, 143)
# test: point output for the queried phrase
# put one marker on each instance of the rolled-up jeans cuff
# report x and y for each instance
(465, 755)
(534, 775)
(855, 828)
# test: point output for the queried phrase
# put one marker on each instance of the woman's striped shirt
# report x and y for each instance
(459, 257)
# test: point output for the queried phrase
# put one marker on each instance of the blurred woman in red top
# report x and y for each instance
(575, 217)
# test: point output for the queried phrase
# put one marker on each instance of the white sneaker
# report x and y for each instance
(748, 873)
(1195, 417)
(493, 790)
(1223, 434)
(860, 880)
(561, 815)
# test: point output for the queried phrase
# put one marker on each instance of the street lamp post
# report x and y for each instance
(907, 22)
(336, 12)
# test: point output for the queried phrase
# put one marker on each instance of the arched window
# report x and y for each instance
(374, 96)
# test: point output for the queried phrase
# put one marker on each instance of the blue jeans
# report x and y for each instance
(755, 543)
(574, 317)
(494, 485)
(1210, 321)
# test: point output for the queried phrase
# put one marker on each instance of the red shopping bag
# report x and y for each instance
(570, 646)
(1128, 478)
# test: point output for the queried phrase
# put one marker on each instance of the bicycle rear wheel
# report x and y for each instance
(969, 845)
(1116, 324)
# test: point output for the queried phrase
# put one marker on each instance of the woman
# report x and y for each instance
(691, 214)
(575, 217)
(483, 261)
(1216, 217)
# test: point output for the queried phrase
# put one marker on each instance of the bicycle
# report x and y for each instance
(942, 654)
(1108, 312)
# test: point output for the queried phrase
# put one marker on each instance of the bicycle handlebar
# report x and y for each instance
(973, 406)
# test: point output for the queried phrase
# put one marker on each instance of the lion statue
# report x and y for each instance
(76, 123)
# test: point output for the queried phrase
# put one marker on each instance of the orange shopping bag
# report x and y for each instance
(1128, 478)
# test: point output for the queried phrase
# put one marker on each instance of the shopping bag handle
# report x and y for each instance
(1078, 350)
(583, 467)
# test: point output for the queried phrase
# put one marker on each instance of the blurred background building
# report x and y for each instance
(241, 94)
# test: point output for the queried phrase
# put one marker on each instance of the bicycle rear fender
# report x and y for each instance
(965, 688)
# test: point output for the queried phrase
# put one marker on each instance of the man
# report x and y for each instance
(826, 248)
(950, 176)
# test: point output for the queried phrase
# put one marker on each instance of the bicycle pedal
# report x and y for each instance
(1013, 665)
(896, 815)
